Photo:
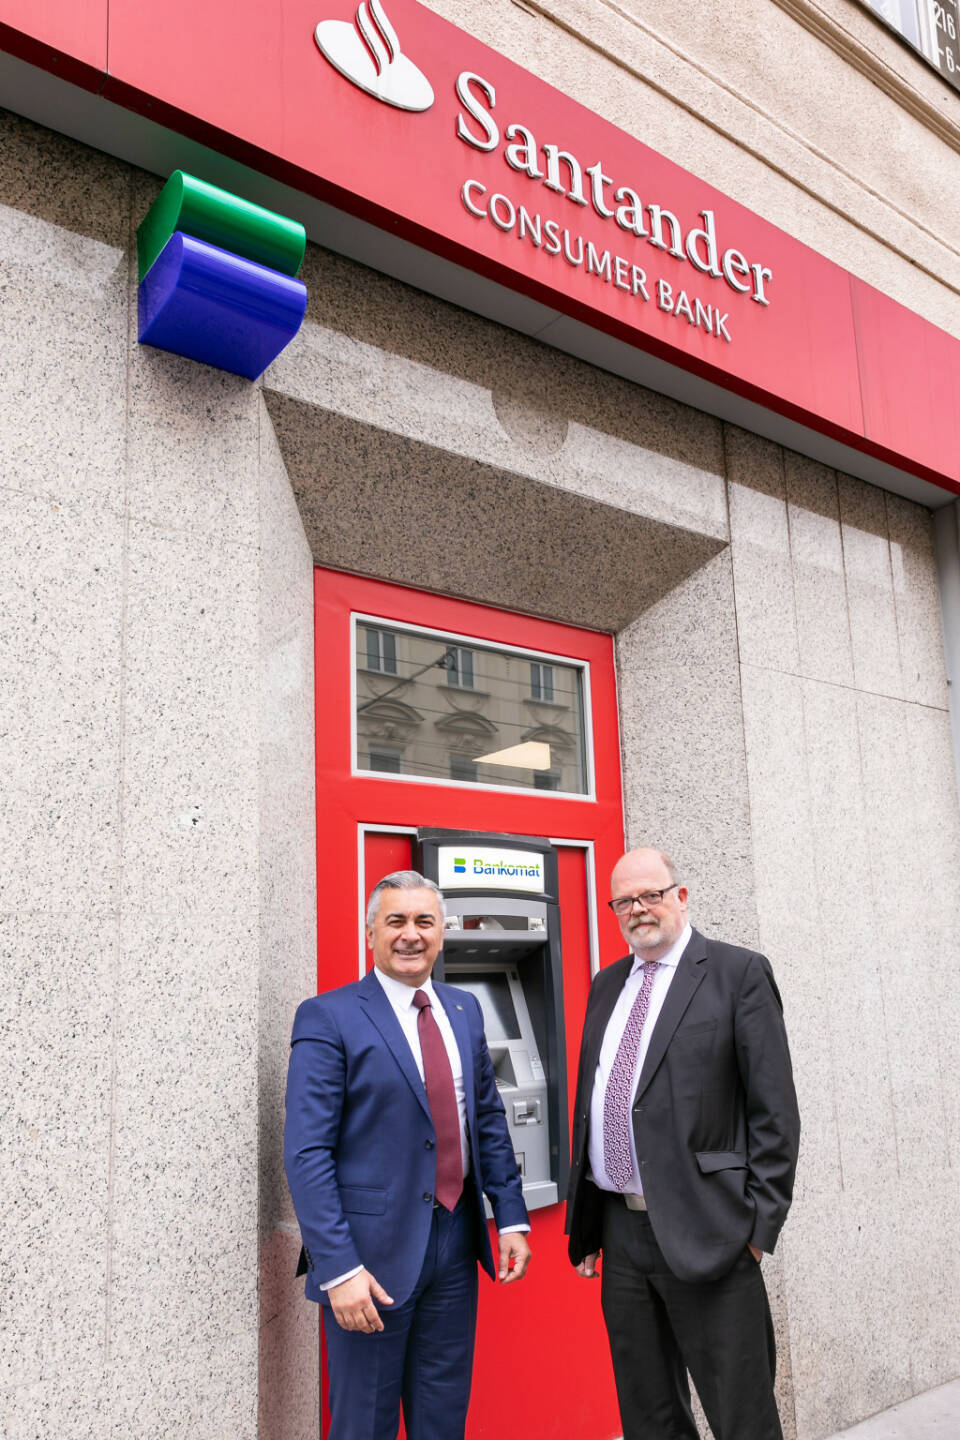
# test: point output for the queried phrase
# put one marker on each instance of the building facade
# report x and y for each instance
(785, 631)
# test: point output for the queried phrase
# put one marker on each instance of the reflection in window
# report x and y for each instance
(382, 651)
(902, 15)
(431, 706)
(541, 681)
(546, 780)
(390, 762)
(932, 27)
(460, 667)
(463, 769)
(492, 989)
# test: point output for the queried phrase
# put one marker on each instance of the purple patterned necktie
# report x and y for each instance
(617, 1160)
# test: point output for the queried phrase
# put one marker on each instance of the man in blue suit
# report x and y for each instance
(394, 1132)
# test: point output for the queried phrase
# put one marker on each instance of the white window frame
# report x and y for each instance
(472, 642)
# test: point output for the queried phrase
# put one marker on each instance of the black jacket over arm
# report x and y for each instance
(714, 1116)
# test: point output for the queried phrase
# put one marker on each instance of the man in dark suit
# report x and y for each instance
(394, 1132)
(685, 1144)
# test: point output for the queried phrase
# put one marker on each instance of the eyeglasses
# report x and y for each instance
(625, 903)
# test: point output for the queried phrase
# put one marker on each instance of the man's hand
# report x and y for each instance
(757, 1254)
(513, 1247)
(352, 1303)
(588, 1266)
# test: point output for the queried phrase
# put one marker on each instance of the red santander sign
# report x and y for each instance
(514, 179)
(369, 53)
(390, 113)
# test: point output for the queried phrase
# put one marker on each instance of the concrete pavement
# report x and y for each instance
(935, 1415)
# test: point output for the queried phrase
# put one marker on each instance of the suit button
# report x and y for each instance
(428, 1144)
(428, 1197)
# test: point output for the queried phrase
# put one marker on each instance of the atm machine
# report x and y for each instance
(502, 944)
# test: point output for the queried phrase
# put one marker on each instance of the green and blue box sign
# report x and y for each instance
(218, 277)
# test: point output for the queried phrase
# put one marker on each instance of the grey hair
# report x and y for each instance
(402, 880)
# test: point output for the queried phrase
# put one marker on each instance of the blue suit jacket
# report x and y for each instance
(360, 1147)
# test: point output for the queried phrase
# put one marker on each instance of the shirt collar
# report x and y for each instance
(400, 995)
(672, 956)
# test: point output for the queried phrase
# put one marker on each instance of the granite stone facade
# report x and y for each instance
(784, 720)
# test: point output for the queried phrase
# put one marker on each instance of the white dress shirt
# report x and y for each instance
(608, 1050)
(401, 1000)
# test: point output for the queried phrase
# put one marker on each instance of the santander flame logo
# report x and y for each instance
(369, 54)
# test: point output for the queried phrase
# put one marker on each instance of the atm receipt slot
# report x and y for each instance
(527, 1112)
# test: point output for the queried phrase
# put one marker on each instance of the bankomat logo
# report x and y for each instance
(506, 869)
(469, 867)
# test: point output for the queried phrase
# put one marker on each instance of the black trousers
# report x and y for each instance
(660, 1327)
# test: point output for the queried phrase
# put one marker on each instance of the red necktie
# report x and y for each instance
(442, 1098)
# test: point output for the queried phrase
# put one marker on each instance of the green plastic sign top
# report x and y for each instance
(209, 213)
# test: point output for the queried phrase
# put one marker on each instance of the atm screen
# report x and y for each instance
(492, 989)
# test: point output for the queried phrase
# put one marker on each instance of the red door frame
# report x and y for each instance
(553, 1317)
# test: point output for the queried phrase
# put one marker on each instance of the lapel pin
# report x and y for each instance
(459, 1007)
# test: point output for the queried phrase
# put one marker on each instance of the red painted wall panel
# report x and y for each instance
(539, 1389)
(910, 378)
(550, 1326)
(67, 37)
(575, 1339)
(224, 65)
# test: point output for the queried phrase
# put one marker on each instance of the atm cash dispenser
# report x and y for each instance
(502, 943)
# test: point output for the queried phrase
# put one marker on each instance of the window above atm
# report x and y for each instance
(456, 710)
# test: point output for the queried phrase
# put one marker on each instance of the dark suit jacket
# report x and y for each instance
(714, 1115)
(360, 1147)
